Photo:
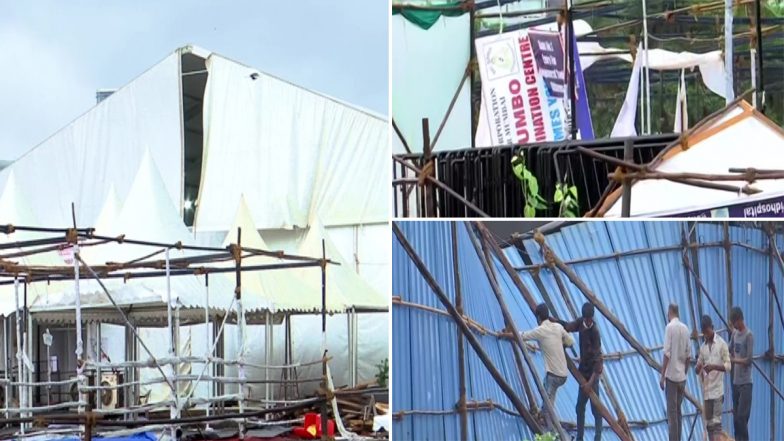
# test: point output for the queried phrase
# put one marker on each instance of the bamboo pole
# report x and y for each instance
(642, 169)
(728, 263)
(208, 339)
(749, 177)
(604, 379)
(771, 345)
(461, 404)
(20, 365)
(517, 337)
(690, 294)
(595, 400)
(470, 337)
(591, 297)
(637, 252)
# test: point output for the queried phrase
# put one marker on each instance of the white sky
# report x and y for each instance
(56, 54)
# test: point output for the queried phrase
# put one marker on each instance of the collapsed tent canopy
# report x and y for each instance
(714, 149)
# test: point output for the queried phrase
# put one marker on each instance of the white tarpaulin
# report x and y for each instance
(293, 153)
(681, 107)
(104, 147)
(711, 65)
(728, 147)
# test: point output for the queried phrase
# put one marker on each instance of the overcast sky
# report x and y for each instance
(56, 54)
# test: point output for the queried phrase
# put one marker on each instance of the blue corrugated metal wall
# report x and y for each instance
(636, 288)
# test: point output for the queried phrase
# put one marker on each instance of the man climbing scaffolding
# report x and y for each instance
(590, 366)
(552, 338)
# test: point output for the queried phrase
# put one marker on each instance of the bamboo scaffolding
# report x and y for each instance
(517, 337)
(591, 297)
(472, 340)
(604, 379)
(595, 400)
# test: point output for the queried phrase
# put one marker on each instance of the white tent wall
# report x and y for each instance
(427, 66)
(367, 249)
(104, 147)
(193, 341)
(294, 154)
(372, 349)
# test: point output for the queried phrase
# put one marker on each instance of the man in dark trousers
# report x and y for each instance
(590, 366)
(741, 353)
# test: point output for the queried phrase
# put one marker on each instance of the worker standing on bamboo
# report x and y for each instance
(712, 362)
(590, 367)
(673, 374)
(742, 351)
(552, 338)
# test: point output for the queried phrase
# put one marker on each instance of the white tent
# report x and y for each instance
(217, 129)
(739, 138)
(147, 213)
(200, 122)
(341, 280)
(275, 290)
(15, 211)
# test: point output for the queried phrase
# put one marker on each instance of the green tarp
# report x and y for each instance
(425, 18)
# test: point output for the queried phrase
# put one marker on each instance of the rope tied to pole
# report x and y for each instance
(72, 236)
(427, 171)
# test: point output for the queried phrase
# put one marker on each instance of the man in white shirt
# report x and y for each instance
(712, 363)
(676, 357)
(552, 338)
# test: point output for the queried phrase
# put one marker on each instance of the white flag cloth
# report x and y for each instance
(624, 124)
(681, 107)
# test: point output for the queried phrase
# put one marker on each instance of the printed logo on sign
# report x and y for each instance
(501, 60)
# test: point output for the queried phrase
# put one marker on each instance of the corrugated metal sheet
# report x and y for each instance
(636, 288)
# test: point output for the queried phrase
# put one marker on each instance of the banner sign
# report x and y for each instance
(771, 207)
(525, 94)
(517, 107)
